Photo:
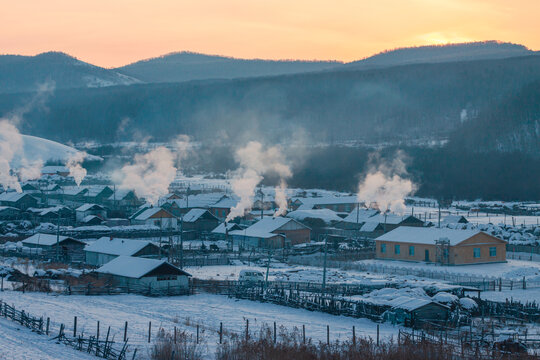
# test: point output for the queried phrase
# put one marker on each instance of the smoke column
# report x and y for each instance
(254, 163)
(10, 144)
(75, 168)
(385, 186)
(281, 199)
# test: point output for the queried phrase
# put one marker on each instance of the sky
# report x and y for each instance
(112, 33)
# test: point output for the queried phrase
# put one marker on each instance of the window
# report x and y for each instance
(492, 251)
(397, 249)
(411, 250)
(476, 252)
(383, 248)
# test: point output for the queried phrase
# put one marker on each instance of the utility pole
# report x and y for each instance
(324, 264)
(182, 241)
(358, 221)
(439, 213)
(267, 267)
(262, 202)
(58, 237)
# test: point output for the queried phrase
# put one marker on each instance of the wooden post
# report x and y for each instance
(378, 334)
(149, 330)
(275, 335)
(125, 331)
(47, 327)
(197, 333)
(304, 333)
(328, 334)
(74, 326)
(247, 329)
(354, 336)
(220, 332)
(97, 332)
(175, 334)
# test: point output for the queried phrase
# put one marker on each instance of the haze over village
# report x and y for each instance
(351, 180)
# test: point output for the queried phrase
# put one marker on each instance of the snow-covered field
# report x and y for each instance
(19, 343)
(184, 312)
(520, 295)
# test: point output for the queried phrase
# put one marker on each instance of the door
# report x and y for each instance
(427, 255)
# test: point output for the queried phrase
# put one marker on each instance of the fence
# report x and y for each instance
(101, 348)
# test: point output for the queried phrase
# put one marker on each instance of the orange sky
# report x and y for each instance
(116, 32)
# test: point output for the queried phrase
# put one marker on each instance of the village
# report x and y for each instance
(463, 273)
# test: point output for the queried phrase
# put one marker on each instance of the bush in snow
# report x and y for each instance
(468, 303)
(445, 298)
(181, 347)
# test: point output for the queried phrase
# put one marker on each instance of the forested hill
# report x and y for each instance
(403, 102)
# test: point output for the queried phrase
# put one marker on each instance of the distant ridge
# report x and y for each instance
(186, 66)
(481, 50)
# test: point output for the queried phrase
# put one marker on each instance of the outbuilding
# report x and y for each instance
(107, 249)
(440, 245)
(156, 216)
(199, 220)
(68, 248)
(154, 276)
(21, 201)
(90, 209)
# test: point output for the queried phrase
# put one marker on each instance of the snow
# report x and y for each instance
(131, 267)
(327, 215)
(521, 295)
(44, 239)
(468, 303)
(360, 215)
(445, 298)
(220, 229)
(148, 213)
(86, 207)
(193, 215)
(20, 343)
(116, 246)
(419, 235)
(185, 312)
(264, 227)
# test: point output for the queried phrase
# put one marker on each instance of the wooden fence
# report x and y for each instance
(92, 344)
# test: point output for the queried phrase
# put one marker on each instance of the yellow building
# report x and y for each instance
(445, 246)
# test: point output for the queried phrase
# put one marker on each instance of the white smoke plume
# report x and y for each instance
(75, 168)
(10, 144)
(385, 186)
(254, 163)
(150, 174)
(281, 199)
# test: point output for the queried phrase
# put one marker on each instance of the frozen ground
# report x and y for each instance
(19, 343)
(520, 295)
(184, 312)
(511, 270)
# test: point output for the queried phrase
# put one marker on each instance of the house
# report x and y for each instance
(85, 210)
(357, 218)
(17, 200)
(54, 170)
(106, 249)
(342, 204)
(123, 198)
(51, 214)
(68, 248)
(272, 232)
(454, 219)
(199, 220)
(415, 311)
(199, 201)
(98, 194)
(91, 220)
(9, 213)
(74, 195)
(223, 229)
(441, 245)
(222, 208)
(155, 216)
(151, 274)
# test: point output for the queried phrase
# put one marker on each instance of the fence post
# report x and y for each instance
(220, 332)
(97, 334)
(524, 284)
(378, 334)
(47, 328)
(247, 329)
(149, 330)
(328, 334)
(74, 326)
(125, 331)
(197, 333)
(275, 337)
(353, 336)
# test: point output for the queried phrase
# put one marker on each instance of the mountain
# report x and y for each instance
(511, 126)
(442, 53)
(419, 101)
(25, 73)
(185, 66)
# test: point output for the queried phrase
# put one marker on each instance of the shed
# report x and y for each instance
(17, 200)
(69, 247)
(106, 249)
(415, 311)
(90, 209)
(200, 220)
(151, 274)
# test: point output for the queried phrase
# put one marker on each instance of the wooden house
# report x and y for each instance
(106, 249)
(21, 201)
(272, 232)
(85, 210)
(199, 220)
(156, 216)
(68, 248)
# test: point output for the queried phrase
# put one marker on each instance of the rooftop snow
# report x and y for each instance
(421, 235)
(86, 207)
(45, 239)
(148, 213)
(117, 246)
(193, 215)
(133, 267)
(326, 215)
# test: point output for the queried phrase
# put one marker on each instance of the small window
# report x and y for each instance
(476, 252)
(411, 250)
(493, 251)
(397, 249)
(383, 248)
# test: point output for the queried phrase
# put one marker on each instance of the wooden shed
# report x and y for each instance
(106, 249)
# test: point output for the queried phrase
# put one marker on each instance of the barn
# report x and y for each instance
(151, 274)
(440, 245)
(69, 248)
(272, 232)
(106, 249)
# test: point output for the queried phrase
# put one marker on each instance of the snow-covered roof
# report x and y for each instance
(89, 218)
(117, 246)
(360, 215)
(11, 208)
(119, 194)
(411, 304)
(12, 196)
(326, 215)
(194, 215)
(220, 229)
(327, 200)
(86, 207)
(198, 201)
(454, 219)
(225, 203)
(135, 267)
(46, 239)
(369, 226)
(74, 190)
(148, 213)
(421, 235)
(388, 218)
(264, 228)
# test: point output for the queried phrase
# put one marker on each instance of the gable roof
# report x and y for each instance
(420, 235)
(412, 304)
(47, 239)
(310, 202)
(86, 207)
(198, 201)
(326, 215)
(117, 246)
(360, 215)
(220, 229)
(151, 212)
(195, 214)
(265, 227)
(13, 196)
(136, 267)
